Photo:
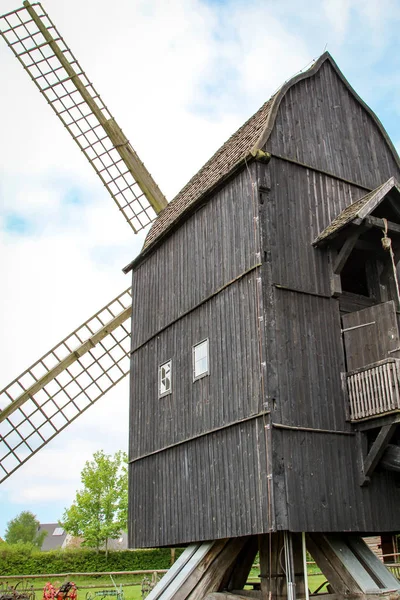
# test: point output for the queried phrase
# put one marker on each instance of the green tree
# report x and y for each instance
(25, 528)
(100, 509)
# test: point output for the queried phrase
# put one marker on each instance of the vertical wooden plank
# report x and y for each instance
(396, 386)
(371, 343)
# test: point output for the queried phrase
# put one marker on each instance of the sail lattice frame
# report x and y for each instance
(43, 53)
(62, 384)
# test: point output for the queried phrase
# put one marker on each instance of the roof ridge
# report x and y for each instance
(242, 144)
(221, 163)
(221, 148)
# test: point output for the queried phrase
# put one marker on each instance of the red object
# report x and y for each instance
(64, 592)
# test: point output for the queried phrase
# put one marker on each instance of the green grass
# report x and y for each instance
(315, 578)
(134, 592)
(131, 592)
(315, 581)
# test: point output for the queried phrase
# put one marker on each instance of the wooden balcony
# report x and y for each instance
(373, 390)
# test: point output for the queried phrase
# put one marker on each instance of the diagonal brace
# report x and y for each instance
(345, 251)
(376, 452)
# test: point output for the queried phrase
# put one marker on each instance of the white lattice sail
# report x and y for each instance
(64, 383)
(43, 53)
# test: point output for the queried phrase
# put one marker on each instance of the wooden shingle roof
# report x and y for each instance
(357, 210)
(238, 147)
(250, 139)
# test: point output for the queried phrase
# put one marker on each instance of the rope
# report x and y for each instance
(387, 245)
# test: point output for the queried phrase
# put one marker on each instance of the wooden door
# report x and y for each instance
(370, 335)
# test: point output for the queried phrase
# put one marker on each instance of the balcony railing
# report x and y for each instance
(374, 390)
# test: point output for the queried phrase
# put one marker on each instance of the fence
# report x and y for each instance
(313, 569)
(11, 579)
(374, 390)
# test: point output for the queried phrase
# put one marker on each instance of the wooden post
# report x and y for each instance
(243, 565)
(272, 565)
(388, 547)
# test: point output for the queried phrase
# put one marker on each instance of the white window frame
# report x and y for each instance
(205, 373)
(169, 391)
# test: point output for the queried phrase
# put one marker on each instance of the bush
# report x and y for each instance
(23, 559)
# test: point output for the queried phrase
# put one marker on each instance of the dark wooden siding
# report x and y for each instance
(321, 124)
(310, 355)
(202, 282)
(316, 475)
(210, 249)
(302, 204)
(212, 487)
(196, 473)
(231, 391)
(323, 488)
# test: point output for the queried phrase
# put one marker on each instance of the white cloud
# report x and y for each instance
(338, 15)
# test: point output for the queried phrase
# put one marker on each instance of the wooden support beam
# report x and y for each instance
(336, 283)
(213, 572)
(273, 580)
(346, 250)
(375, 222)
(388, 547)
(378, 421)
(382, 577)
(376, 451)
(243, 565)
(274, 555)
(208, 570)
(381, 596)
(232, 596)
(339, 577)
(194, 573)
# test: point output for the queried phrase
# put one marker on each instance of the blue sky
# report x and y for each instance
(179, 77)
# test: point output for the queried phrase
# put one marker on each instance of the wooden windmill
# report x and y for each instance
(265, 391)
(265, 394)
(68, 379)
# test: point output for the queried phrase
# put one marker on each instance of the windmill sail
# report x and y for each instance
(41, 50)
(62, 384)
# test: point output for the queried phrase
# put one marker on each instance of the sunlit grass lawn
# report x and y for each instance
(134, 592)
(315, 578)
(131, 592)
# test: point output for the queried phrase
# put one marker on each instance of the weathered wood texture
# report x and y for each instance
(204, 283)
(318, 500)
(374, 391)
(315, 475)
(211, 488)
(377, 340)
(275, 343)
(231, 391)
(321, 124)
(209, 250)
(310, 357)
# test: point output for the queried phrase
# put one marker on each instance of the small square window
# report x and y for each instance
(200, 360)
(164, 379)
